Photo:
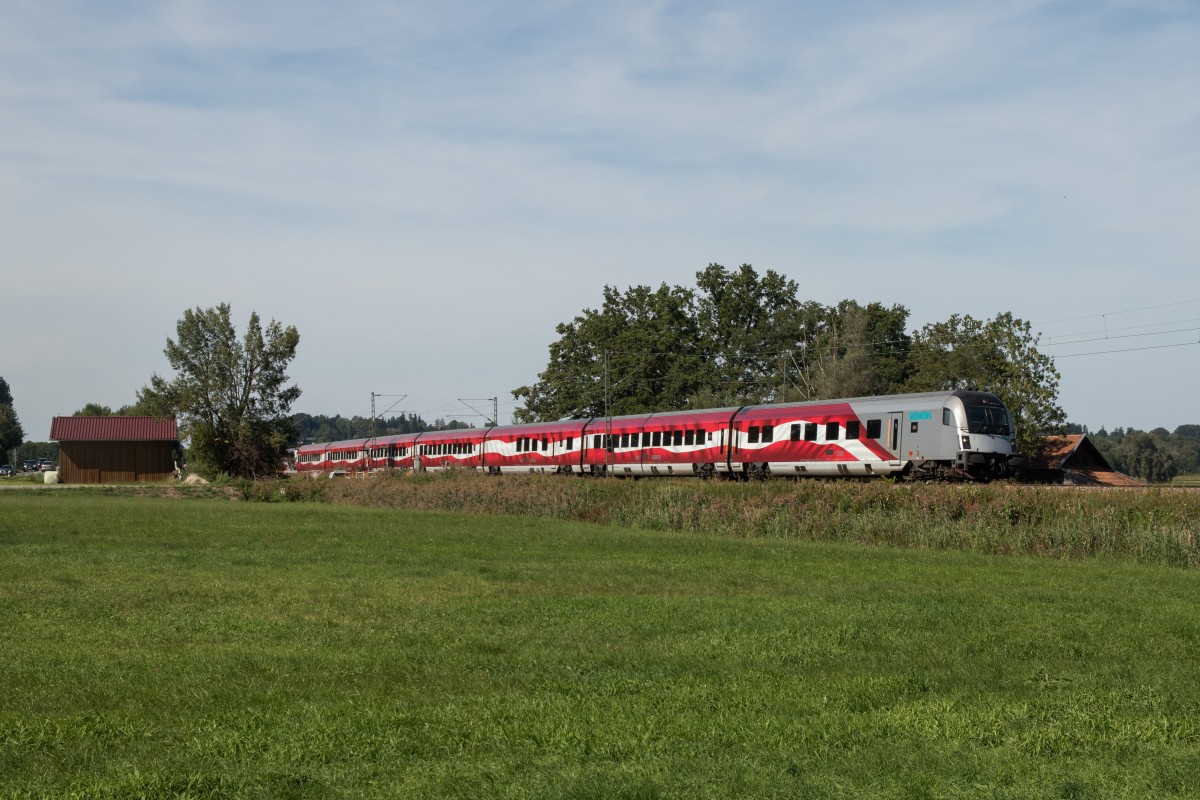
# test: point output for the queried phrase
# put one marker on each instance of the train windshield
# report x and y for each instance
(988, 419)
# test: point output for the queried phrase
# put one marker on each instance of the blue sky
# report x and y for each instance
(426, 190)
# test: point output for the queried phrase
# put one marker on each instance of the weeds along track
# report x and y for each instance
(1150, 525)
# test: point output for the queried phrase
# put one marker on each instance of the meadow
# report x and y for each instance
(201, 648)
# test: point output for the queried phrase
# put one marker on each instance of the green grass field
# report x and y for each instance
(203, 648)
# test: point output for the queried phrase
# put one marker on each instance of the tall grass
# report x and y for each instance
(1152, 526)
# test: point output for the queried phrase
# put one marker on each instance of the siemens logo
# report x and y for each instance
(913, 415)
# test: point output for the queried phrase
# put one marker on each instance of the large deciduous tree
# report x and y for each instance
(231, 395)
(998, 356)
(11, 433)
(651, 340)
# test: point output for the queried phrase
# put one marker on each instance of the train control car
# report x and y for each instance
(933, 434)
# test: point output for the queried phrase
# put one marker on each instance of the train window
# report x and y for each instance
(689, 437)
(852, 429)
(570, 442)
(596, 441)
(677, 438)
(752, 437)
(768, 433)
(831, 431)
(796, 432)
(947, 416)
(545, 445)
(624, 440)
(609, 440)
(656, 439)
(810, 431)
(874, 428)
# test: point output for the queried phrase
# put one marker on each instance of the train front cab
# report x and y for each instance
(982, 434)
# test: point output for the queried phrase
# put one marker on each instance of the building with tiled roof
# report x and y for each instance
(115, 449)
(1075, 460)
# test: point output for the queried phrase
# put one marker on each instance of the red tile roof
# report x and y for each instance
(1057, 449)
(112, 429)
(1106, 477)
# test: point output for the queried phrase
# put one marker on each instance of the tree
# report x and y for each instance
(753, 331)
(651, 340)
(231, 396)
(11, 433)
(857, 350)
(998, 356)
(94, 410)
(101, 410)
(1142, 455)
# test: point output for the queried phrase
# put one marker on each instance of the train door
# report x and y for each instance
(894, 431)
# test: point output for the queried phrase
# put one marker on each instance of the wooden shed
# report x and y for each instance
(1074, 460)
(115, 449)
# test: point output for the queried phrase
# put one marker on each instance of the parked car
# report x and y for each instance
(45, 465)
(29, 465)
(7, 469)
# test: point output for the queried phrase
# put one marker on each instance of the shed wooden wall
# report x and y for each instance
(115, 462)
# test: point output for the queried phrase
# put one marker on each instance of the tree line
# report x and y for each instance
(1156, 456)
(737, 337)
(321, 428)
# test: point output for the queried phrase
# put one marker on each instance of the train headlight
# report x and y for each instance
(966, 440)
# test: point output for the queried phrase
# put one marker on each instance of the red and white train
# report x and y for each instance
(938, 434)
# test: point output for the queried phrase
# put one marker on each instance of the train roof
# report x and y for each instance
(556, 426)
(966, 395)
(346, 444)
(453, 433)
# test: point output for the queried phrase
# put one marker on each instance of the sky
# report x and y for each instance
(425, 190)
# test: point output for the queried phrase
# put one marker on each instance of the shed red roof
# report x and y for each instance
(1057, 449)
(113, 429)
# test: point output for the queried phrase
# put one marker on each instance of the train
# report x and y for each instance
(960, 434)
